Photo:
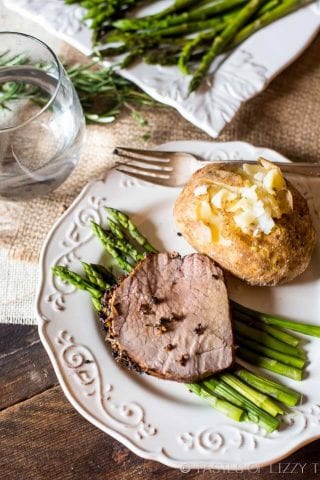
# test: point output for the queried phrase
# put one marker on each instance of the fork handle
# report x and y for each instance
(297, 168)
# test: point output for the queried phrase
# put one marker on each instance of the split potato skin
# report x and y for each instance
(264, 260)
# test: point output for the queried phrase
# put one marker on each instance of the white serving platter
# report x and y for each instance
(158, 419)
(244, 74)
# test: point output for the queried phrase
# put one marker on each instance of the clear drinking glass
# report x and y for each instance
(42, 125)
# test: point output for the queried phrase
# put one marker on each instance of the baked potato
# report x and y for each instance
(249, 219)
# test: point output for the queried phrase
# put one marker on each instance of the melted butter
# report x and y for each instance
(212, 219)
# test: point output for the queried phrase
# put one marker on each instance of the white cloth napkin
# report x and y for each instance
(18, 284)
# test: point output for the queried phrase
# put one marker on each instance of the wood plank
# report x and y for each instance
(25, 369)
(44, 438)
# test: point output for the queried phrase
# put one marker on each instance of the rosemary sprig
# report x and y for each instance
(11, 91)
(102, 92)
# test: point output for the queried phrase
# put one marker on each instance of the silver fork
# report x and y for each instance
(173, 169)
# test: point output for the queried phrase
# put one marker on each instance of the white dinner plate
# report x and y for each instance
(245, 73)
(159, 419)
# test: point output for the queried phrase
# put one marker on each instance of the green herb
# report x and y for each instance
(102, 92)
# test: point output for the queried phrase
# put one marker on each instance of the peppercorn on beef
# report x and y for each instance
(170, 318)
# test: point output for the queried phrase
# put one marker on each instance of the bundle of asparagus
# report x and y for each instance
(262, 340)
(216, 27)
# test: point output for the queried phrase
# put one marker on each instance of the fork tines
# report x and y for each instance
(148, 155)
(143, 164)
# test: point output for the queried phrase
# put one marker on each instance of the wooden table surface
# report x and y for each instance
(43, 437)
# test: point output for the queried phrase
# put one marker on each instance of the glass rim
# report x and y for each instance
(54, 94)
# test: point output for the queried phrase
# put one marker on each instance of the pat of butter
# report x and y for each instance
(273, 181)
(220, 199)
(253, 169)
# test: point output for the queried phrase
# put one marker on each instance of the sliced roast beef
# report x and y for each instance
(170, 318)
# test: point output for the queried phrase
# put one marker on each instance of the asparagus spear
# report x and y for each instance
(132, 57)
(270, 353)
(98, 275)
(305, 328)
(176, 7)
(76, 280)
(170, 56)
(258, 398)
(120, 236)
(282, 336)
(222, 41)
(270, 5)
(285, 8)
(106, 274)
(201, 13)
(264, 338)
(128, 225)
(273, 331)
(186, 28)
(190, 46)
(113, 51)
(109, 245)
(222, 406)
(284, 394)
(124, 246)
(116, 230)
(162, 56)
(255, 413)
(132, 40)
(269, 364)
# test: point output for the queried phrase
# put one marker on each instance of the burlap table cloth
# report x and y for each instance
(286, 117)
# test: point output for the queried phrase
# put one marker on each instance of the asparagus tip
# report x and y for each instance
(193, 85)
(95, 226)
(58, 269)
